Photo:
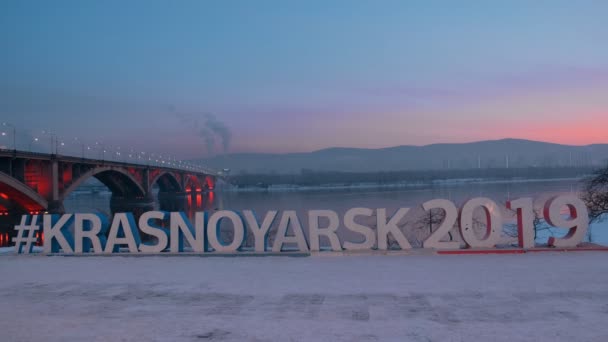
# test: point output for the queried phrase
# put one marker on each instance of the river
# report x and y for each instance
(340, 200)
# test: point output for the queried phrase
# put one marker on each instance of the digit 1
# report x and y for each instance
(525, 221)
(577, 225)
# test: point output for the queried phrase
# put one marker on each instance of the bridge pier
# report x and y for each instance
(173, 201)
(56, 207)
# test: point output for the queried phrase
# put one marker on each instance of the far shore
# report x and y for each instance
(395, 185)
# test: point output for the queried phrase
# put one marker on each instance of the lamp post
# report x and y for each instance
(102, 149)
(6, 124)
(81, 146)
(29, 148)
(57, 143)
(53, 140)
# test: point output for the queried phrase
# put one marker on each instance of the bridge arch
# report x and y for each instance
(15, 193)
(209, 182)
(192, 183)
(167, 182)
(118, 180)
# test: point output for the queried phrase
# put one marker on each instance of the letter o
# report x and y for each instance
(213, 227)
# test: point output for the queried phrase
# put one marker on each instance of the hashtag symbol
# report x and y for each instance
(26, 234)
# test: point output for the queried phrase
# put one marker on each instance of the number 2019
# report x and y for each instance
(576, 222)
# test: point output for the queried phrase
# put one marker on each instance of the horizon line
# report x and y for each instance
(397, 146)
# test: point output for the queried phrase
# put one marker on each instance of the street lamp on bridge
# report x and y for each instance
(6, 124)
(53, 140)
(81, 143)
(58, 144)
(29, 147)
(101, 148)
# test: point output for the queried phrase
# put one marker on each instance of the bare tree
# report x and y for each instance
(595, 195)
(538, 223)
(432, 219)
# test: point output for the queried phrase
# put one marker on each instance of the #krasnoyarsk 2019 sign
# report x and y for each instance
(93, 233)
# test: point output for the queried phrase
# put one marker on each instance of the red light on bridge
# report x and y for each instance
(5, 240)
(209, 183)
(3, 195)
(40, 238)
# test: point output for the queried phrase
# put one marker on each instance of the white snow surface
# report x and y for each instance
(530, 297)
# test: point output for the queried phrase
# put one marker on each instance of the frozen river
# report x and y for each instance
(340, 200)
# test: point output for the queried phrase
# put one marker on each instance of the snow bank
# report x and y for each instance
(540, 297)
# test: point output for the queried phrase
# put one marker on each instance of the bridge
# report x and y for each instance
(36, 183)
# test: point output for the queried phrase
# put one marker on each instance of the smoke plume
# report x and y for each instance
(212, 131)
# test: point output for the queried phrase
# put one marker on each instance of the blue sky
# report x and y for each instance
(288, 76)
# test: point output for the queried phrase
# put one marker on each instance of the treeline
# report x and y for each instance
(317, 178)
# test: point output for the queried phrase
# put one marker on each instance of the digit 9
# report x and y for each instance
(577, 225)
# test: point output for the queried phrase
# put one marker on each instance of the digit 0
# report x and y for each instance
(493, 223)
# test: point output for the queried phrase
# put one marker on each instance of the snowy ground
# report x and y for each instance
(530, 297)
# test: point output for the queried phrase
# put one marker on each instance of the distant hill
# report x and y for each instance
(484, 154)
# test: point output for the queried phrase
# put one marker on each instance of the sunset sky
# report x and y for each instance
(290, 76)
